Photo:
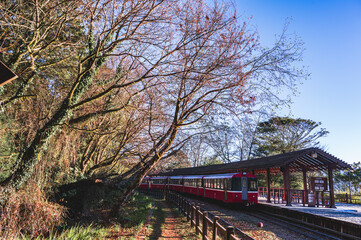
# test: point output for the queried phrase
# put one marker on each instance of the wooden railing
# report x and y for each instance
(208, 225)
(347, 198)
(297, 196)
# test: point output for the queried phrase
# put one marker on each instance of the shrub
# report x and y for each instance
(28, 212)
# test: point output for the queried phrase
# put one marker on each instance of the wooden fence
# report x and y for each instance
(277, 195)
(209, 226)
(347, 198)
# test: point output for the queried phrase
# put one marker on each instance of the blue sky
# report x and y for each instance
(331, 31)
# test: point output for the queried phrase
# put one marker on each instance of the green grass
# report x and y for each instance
(132, 217)
(184, 227)
(135, 213)
(128, 225)
(80, 233)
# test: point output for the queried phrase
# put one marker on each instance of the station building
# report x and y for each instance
(302, 161)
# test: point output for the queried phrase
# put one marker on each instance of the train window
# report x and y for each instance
(229, 183)
(236, 184)
(221, 183)
(252, 184)
(244, 182)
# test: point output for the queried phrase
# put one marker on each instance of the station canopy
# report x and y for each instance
(310, 159)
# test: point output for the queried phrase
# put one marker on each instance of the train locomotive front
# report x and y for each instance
(231, 188)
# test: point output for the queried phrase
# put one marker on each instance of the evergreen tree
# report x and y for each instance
(284, 134)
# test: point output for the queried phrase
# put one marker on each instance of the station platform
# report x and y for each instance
(343, 211)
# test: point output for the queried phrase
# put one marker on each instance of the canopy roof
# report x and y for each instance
(310, 159)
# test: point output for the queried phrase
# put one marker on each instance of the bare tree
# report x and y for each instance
(141, 72)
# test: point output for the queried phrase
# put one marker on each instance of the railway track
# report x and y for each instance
(312, 232)
(303, 229)
(331, 228)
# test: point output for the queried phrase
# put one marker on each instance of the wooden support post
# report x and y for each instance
(192, 214)
(268, 185)
(197, 219)
(188, 213)
(286, 184)
(230, 231)
(305, 189)
(346, 198)
(182, 205)
(323, 198)
(330, 182)
(274, 196)
(204, 229)
(215, 222)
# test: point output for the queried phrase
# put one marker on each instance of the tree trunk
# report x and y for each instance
(130, 184)
(28, 159)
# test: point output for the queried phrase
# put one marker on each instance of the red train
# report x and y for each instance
(229, 188)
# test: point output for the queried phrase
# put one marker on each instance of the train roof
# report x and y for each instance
(227, 175)
(176, 177)
(159, 177)
(193, 176)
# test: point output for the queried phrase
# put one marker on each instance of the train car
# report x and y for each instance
(154, 182)
(231, 187)
(145, 183)
(158, 182)
(193, 184)
(175, 183)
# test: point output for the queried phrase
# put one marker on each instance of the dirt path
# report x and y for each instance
(143, 232)
(164, 223)
(170, 223)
